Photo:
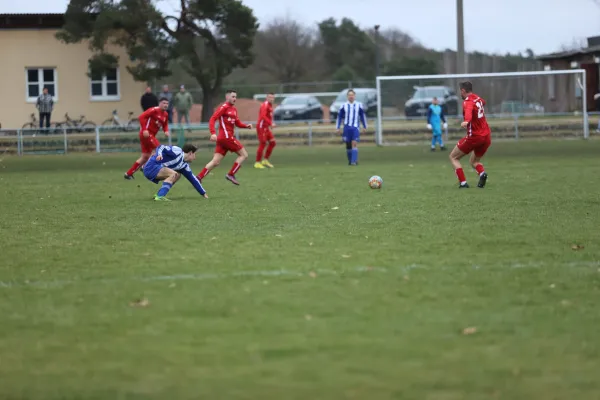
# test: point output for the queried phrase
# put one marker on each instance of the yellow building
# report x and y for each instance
(32, 58)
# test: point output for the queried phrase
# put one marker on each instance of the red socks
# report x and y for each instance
(136, 165)
(234, 169)
(479, 168)
(270, 149)
(460, 174)
(202, 174)
(260, 151)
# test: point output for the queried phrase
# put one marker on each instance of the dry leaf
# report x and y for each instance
(335, 208)
(345, 256)
(577, 247)
(308, 317)
(406, 278)
(140, 303)
(565, 303)
(310, 244)
(172, 285)
(213, 238)
(469, 331)
(552, 286)
(278, 235)
(312, 274)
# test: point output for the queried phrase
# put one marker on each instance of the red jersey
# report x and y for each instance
(152, 119)
(265, 115)
(474, 114)
(228, 119)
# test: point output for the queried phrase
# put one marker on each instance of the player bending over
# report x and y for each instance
(351, 114)
(435, 117)
(168, 164)
(478, 138)
(150, 122)
(263, 131)
(228, 119)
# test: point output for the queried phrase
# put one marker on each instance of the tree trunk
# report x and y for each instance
(208, 101)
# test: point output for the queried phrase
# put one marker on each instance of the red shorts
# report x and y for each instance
(477, 144)
(225, 145)
(149, 143)
(264, 134)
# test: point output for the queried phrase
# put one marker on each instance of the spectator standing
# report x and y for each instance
(45, 105)
(166, 94)
(183, 104)
(148, 99)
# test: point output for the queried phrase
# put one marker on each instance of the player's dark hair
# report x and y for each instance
(350, 90)
(188, 147)
(467, 86)
(229, 91)
(163, 99)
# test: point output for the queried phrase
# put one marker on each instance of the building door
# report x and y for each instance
(592, 73)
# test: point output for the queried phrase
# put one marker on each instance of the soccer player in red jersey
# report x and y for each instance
(228, 119)
(478, 138)
(265, 136)
(151, 121)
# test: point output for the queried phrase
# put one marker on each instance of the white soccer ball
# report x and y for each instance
(375, 182)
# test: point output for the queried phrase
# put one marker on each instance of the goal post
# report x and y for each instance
(518, 104)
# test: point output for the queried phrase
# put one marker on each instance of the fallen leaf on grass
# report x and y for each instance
(308, 317)
(345, 256)
(552, 286)
(335, 208)
(213, 238)
(576, 247)
(278, 235)
(172, 285)
(565, 303)
(469, 331)
(312, 274)
(310, 244)
(406, 278)
(140, 303)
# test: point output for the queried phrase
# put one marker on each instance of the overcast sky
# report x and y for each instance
(490, 25)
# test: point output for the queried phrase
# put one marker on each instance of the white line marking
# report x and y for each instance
(278, 273)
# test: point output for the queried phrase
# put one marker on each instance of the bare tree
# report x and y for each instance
(287, 51)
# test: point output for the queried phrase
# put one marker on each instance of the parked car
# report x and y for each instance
(419, 102)
(299, 108)
(367, 96)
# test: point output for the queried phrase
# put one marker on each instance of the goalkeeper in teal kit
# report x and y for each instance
(435, 118)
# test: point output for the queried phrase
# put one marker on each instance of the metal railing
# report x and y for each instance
(293, 133)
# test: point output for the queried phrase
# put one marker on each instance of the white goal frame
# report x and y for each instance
(586, 127)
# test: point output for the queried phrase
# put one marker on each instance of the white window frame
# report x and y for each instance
(41, 83)
(104, 81)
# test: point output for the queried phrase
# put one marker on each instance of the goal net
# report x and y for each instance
(518, 104)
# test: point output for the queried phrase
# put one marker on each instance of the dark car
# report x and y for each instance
(299, 108)
(366, 96)
(418, 104)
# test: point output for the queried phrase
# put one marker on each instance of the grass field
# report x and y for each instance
(303, 283)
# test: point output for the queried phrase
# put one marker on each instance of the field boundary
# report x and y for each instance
(280, 273)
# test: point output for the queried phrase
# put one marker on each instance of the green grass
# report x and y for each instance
(303, 283)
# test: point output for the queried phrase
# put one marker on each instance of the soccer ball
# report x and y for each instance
(375, 182)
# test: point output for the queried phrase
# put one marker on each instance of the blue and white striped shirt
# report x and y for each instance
(352, 114)
(172, 157)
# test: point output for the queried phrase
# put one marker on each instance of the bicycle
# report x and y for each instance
(34, 126)
(78, 125)
(132, 124)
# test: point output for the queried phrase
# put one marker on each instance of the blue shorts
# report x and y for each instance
(351, 134)
(437, 131)
(151, 170)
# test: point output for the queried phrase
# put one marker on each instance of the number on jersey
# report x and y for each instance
(479, 105)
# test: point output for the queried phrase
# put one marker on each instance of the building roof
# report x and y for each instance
(593, 47)
(31, 21)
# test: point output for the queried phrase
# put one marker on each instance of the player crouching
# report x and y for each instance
(167, 164)
(478, 138)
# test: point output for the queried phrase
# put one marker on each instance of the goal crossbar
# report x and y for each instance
(379, 133)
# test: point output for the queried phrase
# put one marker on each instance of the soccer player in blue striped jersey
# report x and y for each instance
(351, 115)
(167, 164)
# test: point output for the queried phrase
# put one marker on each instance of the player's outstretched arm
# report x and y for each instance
(213, 119)
(363, 117)
(240, 124)
(340, 117)
(189, 175)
